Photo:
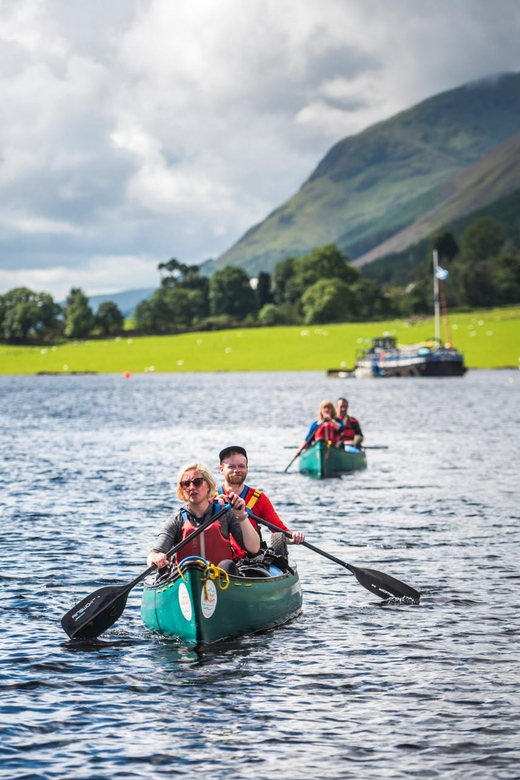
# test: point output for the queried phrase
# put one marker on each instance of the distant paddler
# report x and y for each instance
(351, 433)
(328, 427)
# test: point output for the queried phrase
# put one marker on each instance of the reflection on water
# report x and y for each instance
(351, 688)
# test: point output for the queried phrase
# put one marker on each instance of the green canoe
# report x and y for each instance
(322, 460)
(198, 609)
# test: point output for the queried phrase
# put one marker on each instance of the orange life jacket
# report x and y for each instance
(210, 544)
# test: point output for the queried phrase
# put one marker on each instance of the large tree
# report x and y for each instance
(79, 319)
(506, 276)
(109, 318)
(445, 244)
(231, 293)
(328, 300)
(263, 289)
(24, 314)
(482, 240)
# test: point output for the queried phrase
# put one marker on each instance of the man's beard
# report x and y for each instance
(235, 479)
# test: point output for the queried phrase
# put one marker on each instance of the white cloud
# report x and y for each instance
(146, 128)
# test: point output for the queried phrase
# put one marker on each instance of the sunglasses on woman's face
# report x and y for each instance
(185, 483)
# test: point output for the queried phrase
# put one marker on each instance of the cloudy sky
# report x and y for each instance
(138, 130)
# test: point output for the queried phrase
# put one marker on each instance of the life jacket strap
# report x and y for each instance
(254, 498)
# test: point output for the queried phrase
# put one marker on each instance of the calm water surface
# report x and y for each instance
(350, 689)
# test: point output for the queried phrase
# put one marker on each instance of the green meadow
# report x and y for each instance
(488, 339)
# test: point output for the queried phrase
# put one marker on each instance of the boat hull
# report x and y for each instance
(197, 610)
(321, 461)
(439, 362)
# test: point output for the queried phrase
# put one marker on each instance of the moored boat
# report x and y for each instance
(322, 460)
(386, 359)
(201, 604)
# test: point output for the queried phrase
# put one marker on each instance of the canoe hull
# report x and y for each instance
(321, 461)
(198, 611)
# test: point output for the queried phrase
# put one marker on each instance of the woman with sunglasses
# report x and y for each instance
(197, 487)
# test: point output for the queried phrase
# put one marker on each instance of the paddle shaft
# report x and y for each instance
(383, 585)
(307, 440)
(277, 529)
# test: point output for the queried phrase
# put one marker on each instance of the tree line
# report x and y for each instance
(27, 316)
(318, 288)
(483, 268)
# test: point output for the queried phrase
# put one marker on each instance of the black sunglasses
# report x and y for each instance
(187, 482)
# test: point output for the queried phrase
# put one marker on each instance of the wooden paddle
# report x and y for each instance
(383, 585)
(97, 612)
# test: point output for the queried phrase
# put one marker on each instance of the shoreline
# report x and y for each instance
(130, 374)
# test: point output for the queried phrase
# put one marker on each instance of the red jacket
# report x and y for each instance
(259, 504)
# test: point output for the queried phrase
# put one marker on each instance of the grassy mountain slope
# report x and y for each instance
(494, 176)
(374, 184)
(398, 267)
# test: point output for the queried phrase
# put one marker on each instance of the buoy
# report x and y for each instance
(127, 374)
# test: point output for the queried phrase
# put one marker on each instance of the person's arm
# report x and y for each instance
(338, 424)
(358, 436)
(169, 535)
(308, 439)
(266, 511)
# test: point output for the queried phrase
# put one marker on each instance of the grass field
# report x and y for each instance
(488, 339)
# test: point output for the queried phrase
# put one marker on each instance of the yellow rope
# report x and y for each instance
(215, 573)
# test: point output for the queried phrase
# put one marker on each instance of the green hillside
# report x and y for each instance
(471, 192)
(397, 267)
(375, 184)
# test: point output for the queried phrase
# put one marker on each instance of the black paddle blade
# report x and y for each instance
(95, 613)
(383, 585)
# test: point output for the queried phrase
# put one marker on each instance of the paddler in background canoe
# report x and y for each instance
(234, 468)
(327, 427)
(197, 487)
(351, 433)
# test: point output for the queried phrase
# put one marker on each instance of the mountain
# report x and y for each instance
(126, 301)
(371, 186)
(480, 185)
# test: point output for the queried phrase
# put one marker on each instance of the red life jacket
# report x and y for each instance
(238, 551)
(348, 431)
(327, 432)
(210, 544)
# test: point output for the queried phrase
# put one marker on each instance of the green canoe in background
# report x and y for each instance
(197, 609)
(322, 460)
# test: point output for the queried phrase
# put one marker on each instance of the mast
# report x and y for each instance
(436, 306)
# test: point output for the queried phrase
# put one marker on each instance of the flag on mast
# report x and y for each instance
(441, 273)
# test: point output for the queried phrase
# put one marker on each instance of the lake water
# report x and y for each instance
(352, 688)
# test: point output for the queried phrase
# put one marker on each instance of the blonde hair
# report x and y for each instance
(205, 474)
(327, 405)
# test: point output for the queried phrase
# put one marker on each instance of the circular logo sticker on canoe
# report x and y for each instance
(185, 601)
(208, 599)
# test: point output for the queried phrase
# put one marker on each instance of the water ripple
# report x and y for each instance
(351, 688)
